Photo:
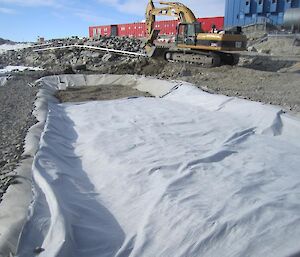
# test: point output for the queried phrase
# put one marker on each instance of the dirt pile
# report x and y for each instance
(279, 45)
(72, 59)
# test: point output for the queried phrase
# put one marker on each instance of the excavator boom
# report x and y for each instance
(174, 9)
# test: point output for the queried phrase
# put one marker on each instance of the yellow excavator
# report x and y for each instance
(192, 44)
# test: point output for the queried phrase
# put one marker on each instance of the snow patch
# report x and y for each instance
(10, 68)
(8, 47)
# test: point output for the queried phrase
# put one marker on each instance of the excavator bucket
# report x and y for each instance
(156, 52)
(151, 49)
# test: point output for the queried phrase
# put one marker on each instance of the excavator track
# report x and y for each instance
(205, 59)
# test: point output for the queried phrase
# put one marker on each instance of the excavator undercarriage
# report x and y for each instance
(209, 59)
(205, 59)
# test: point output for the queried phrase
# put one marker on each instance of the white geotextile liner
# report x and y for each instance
(13, 208)
(189, 174)
(15, 202)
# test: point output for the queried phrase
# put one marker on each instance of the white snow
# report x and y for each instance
(7, 47)
(12, 68)
(188, 174)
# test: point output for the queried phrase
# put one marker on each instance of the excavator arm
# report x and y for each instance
(174, 9)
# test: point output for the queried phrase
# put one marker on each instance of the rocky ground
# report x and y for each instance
(270, 73)
(280, 86)
(72, 58)
(16, 105)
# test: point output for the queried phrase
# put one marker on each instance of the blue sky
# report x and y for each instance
(25, 20)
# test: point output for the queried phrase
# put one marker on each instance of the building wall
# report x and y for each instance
(138, 30)
(245, 12)
(206, 23)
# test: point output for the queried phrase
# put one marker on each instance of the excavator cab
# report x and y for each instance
(187, 33)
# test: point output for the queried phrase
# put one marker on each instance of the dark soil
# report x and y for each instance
(95, 93)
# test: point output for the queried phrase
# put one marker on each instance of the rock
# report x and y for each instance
(185, 73)
(107, 57)
(90, 54)
(69, 70)
(252, 49)
(297, 42)
(38, 250)
(31, 59)
(79, 67)
(264, 51)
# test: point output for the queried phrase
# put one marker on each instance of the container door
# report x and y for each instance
(114, 31)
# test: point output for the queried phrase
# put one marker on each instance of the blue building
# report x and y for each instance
(245, 12)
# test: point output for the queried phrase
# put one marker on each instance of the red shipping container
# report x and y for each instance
(100, 30)
(138, 29)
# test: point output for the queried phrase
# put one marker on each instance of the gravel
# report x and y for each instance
(16, 105)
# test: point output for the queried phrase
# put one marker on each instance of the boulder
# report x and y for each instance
(252, 49)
